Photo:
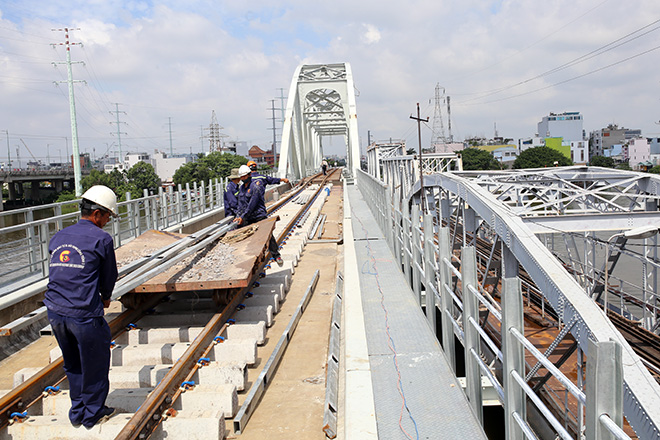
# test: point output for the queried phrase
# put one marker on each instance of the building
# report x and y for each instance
(536, 141)
(654, 150)
(506, 154)
(580, 152)
(567, 125)
(603, 139)
(639, 154)
(238, 147)
(165, 167)
(558, 143)
(262, 157)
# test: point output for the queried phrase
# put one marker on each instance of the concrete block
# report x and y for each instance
(287, 269)
(206, 425)
(277, 278)
(264, 300)
(247, 330)
(124, 400)
(240, 351)
(255, 313)
(56, 427)
(218, 373)
(24, 374)
(290, 256)
(270, 289)
(220, 397)
(54, 354)
(158, 335)
(137, 376)
(147, 354)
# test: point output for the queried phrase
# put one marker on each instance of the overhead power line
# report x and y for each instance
(586, 57)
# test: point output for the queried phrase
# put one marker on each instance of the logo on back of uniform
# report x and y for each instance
(67, 255)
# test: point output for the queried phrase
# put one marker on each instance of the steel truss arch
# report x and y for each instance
(321, 102)
(563, 292)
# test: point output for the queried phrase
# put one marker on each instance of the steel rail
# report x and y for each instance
(150, 413)
(26, 394)
(31, 390)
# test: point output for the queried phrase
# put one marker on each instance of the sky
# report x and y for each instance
(155, 64)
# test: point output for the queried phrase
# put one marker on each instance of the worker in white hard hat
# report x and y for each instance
(252, 206)
(231, 193)
(83, 272)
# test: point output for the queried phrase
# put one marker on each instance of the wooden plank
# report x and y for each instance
(247, 256)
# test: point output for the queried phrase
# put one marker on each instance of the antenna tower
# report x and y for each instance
(119, 132)
(215, 140)
(438, 137)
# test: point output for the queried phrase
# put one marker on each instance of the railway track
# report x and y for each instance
(178, 361)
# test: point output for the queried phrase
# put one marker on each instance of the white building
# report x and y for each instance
(567, 125)
(580, 152)
(525, 144)
(639, 150)
(165, 167)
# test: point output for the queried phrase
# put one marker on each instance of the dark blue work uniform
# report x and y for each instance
(252, 207)
(267, 179)
(231, 199)
(83, 272)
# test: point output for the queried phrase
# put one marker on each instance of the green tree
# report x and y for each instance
(212, 166)
(540, 157)
(139, 177)
(477, 159)
(601, 161)
(624, 166)
(655, 169)
(114, 180)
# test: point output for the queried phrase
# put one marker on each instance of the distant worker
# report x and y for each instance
(83, 272)
(324, 166)
(268, 179)
(231, 193)
(252, 206)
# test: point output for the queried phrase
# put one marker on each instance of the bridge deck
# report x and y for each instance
(400, 341)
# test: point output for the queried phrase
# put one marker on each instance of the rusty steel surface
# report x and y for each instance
(234, 276)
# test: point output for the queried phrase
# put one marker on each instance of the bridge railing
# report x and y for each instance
(24, 247)
(469, 314)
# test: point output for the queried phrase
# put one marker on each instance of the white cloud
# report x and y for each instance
(371, 34)
(183, 60)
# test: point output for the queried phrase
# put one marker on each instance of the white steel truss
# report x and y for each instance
(321, 103)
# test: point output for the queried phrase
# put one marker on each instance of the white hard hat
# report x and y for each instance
(102, 197)
(244, 170)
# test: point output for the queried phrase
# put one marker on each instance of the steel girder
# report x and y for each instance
(567, 297)
(321, 102)
(571, 190)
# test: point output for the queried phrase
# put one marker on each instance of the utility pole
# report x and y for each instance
(72, 107)
(119, 132)
(201, 139)
(8, 152)
(421, 174)
(170, 121)
(274, 148)
(282, 98)
(451, 137)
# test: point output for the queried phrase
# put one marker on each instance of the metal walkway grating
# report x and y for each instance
(433, 395)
